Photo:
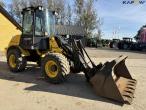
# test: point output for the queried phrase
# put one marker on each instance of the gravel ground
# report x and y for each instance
(111, 53)
(25, 91)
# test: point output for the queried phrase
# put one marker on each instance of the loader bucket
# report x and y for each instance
(114, 81)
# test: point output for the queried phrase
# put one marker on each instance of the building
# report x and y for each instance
(142, 36)
(70, 30)
(8, 28)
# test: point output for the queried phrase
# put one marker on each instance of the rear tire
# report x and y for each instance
(15, 62)
(55, 67)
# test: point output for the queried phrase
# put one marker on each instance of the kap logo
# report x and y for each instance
(136, 2)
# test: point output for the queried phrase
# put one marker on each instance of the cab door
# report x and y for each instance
(26, 41)
(40, 40)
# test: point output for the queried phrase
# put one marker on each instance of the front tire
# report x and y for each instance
(15, 62)
(55, 67)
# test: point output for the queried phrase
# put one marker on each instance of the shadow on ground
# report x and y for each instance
(75, 85)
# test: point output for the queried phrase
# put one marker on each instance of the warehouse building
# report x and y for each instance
(8, 28)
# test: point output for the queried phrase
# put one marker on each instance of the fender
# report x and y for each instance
(14, 44)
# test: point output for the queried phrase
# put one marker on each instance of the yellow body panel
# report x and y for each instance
(7, 31)
(15, 42)
(53, 46)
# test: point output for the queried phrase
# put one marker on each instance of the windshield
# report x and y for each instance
(44, 23)
(49, 22)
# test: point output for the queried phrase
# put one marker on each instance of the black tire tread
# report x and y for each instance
(18, 54)
(64, 65)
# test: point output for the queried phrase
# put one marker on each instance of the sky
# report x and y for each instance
(119, 20)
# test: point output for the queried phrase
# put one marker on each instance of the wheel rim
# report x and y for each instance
(51, 69)
(12, 61)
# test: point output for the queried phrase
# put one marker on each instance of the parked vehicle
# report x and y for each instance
(114, 43)
(93, 42)
(105, 42)
(142, 39)
(125, 44)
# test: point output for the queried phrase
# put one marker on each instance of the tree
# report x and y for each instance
(2, 3)
(99, 34)
(98, 29)
(79, 4)
(87, 16)
(68, 16)
(37, 2)
(64, 11)
(59, 6)
(17, 5)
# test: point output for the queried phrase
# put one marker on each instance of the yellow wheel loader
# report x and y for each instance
(57, 57)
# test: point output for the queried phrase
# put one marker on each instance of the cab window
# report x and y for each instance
(28, 23)
(39, 23)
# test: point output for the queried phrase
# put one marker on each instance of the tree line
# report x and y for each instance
(79, 12)
(2, 3)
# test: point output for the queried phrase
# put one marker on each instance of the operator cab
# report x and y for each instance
(38, 25)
